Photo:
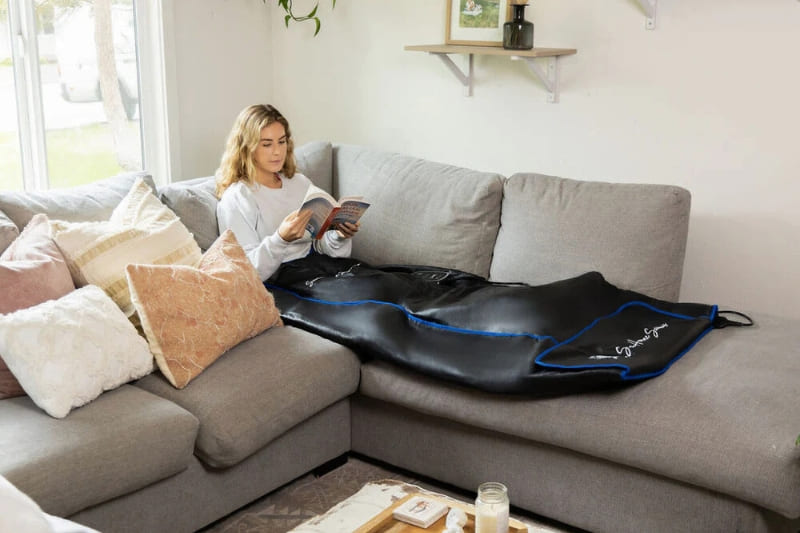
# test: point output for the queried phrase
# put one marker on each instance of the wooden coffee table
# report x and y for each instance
(370, 511)
(384, 522)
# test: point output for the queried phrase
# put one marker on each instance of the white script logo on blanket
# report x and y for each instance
(627, 350)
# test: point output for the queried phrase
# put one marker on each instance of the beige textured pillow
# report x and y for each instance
(192, 315)
(141, 230)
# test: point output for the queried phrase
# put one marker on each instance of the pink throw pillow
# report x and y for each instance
(32, 271)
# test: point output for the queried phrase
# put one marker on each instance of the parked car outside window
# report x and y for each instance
(77, 57)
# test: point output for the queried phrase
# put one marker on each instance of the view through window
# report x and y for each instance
(81, 112)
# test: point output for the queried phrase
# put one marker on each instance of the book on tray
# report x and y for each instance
(421, 511)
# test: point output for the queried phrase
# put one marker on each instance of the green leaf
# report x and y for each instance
(797, 442)
(286, 5)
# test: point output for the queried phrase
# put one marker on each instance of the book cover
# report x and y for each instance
(328, 213)
(421, 511)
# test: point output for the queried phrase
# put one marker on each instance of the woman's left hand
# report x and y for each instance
(347, 229)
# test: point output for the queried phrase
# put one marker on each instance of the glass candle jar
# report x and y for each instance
(491, 508)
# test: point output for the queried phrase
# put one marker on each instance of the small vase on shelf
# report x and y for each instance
(518, 32)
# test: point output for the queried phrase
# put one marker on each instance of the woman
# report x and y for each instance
(259, 191)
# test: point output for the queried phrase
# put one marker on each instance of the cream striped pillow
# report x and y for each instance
(141, 230)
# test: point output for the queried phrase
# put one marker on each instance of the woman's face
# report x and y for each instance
(271, 151)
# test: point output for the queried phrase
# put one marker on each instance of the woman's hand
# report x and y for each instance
(347, 229)
(293, 226)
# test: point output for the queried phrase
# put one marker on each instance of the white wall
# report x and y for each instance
(707, 101)
(219, 61)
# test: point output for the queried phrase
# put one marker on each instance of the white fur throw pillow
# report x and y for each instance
(66, 352)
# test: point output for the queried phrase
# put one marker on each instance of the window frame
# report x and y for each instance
(152, 73)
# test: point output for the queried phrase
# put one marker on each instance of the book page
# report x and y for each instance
(315, 192)
(320, 211)
(320, 203)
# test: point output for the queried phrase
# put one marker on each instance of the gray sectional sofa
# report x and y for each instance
(708, 446)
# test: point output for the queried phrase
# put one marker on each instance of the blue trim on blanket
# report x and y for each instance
(626, 369)
(413, 317)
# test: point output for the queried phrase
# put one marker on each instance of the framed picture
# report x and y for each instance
(476, 22)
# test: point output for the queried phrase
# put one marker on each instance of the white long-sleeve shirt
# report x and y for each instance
(254, 213)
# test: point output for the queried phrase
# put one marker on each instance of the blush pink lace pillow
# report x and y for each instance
(32, 271)
(192, 315)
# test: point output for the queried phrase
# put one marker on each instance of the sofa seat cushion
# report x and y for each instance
(724, 417)
(261, 388)
(121, 442)
(555, 228)
(421, 213)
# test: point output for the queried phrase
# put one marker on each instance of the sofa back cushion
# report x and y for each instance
(195, 202)
(84, 203)
(421, 212)
(553, 228)
(315, 161)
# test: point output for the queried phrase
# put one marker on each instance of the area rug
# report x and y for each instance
(371, 500)
(308, 498)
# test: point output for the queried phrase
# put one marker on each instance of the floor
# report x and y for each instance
(310, 495)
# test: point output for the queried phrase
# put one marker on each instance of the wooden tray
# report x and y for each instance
(385, 523)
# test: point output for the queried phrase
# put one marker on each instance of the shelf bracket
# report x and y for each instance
(649, 7)
(465, 79)
(549, 77)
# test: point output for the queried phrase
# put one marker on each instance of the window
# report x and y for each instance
(70, 110)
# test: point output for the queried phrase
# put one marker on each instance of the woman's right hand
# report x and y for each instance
(293, 226)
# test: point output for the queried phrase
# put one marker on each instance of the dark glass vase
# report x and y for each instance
(518, 32)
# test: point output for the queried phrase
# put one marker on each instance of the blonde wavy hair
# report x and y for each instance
(237, 161)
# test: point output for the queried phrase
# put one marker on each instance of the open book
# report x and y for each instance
(327, 213)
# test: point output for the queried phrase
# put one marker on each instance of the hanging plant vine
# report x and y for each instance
(290, 15)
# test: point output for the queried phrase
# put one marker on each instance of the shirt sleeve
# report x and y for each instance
(266, 254)
(333, 245)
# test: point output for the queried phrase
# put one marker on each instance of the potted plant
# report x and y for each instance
(312, 15)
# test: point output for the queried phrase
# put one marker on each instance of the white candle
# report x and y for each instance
(491, 519)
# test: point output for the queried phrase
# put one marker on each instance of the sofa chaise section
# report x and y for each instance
(700, 426)
(582, 491)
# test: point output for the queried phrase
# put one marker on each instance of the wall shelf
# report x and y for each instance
(649, 7)
(548, 76)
